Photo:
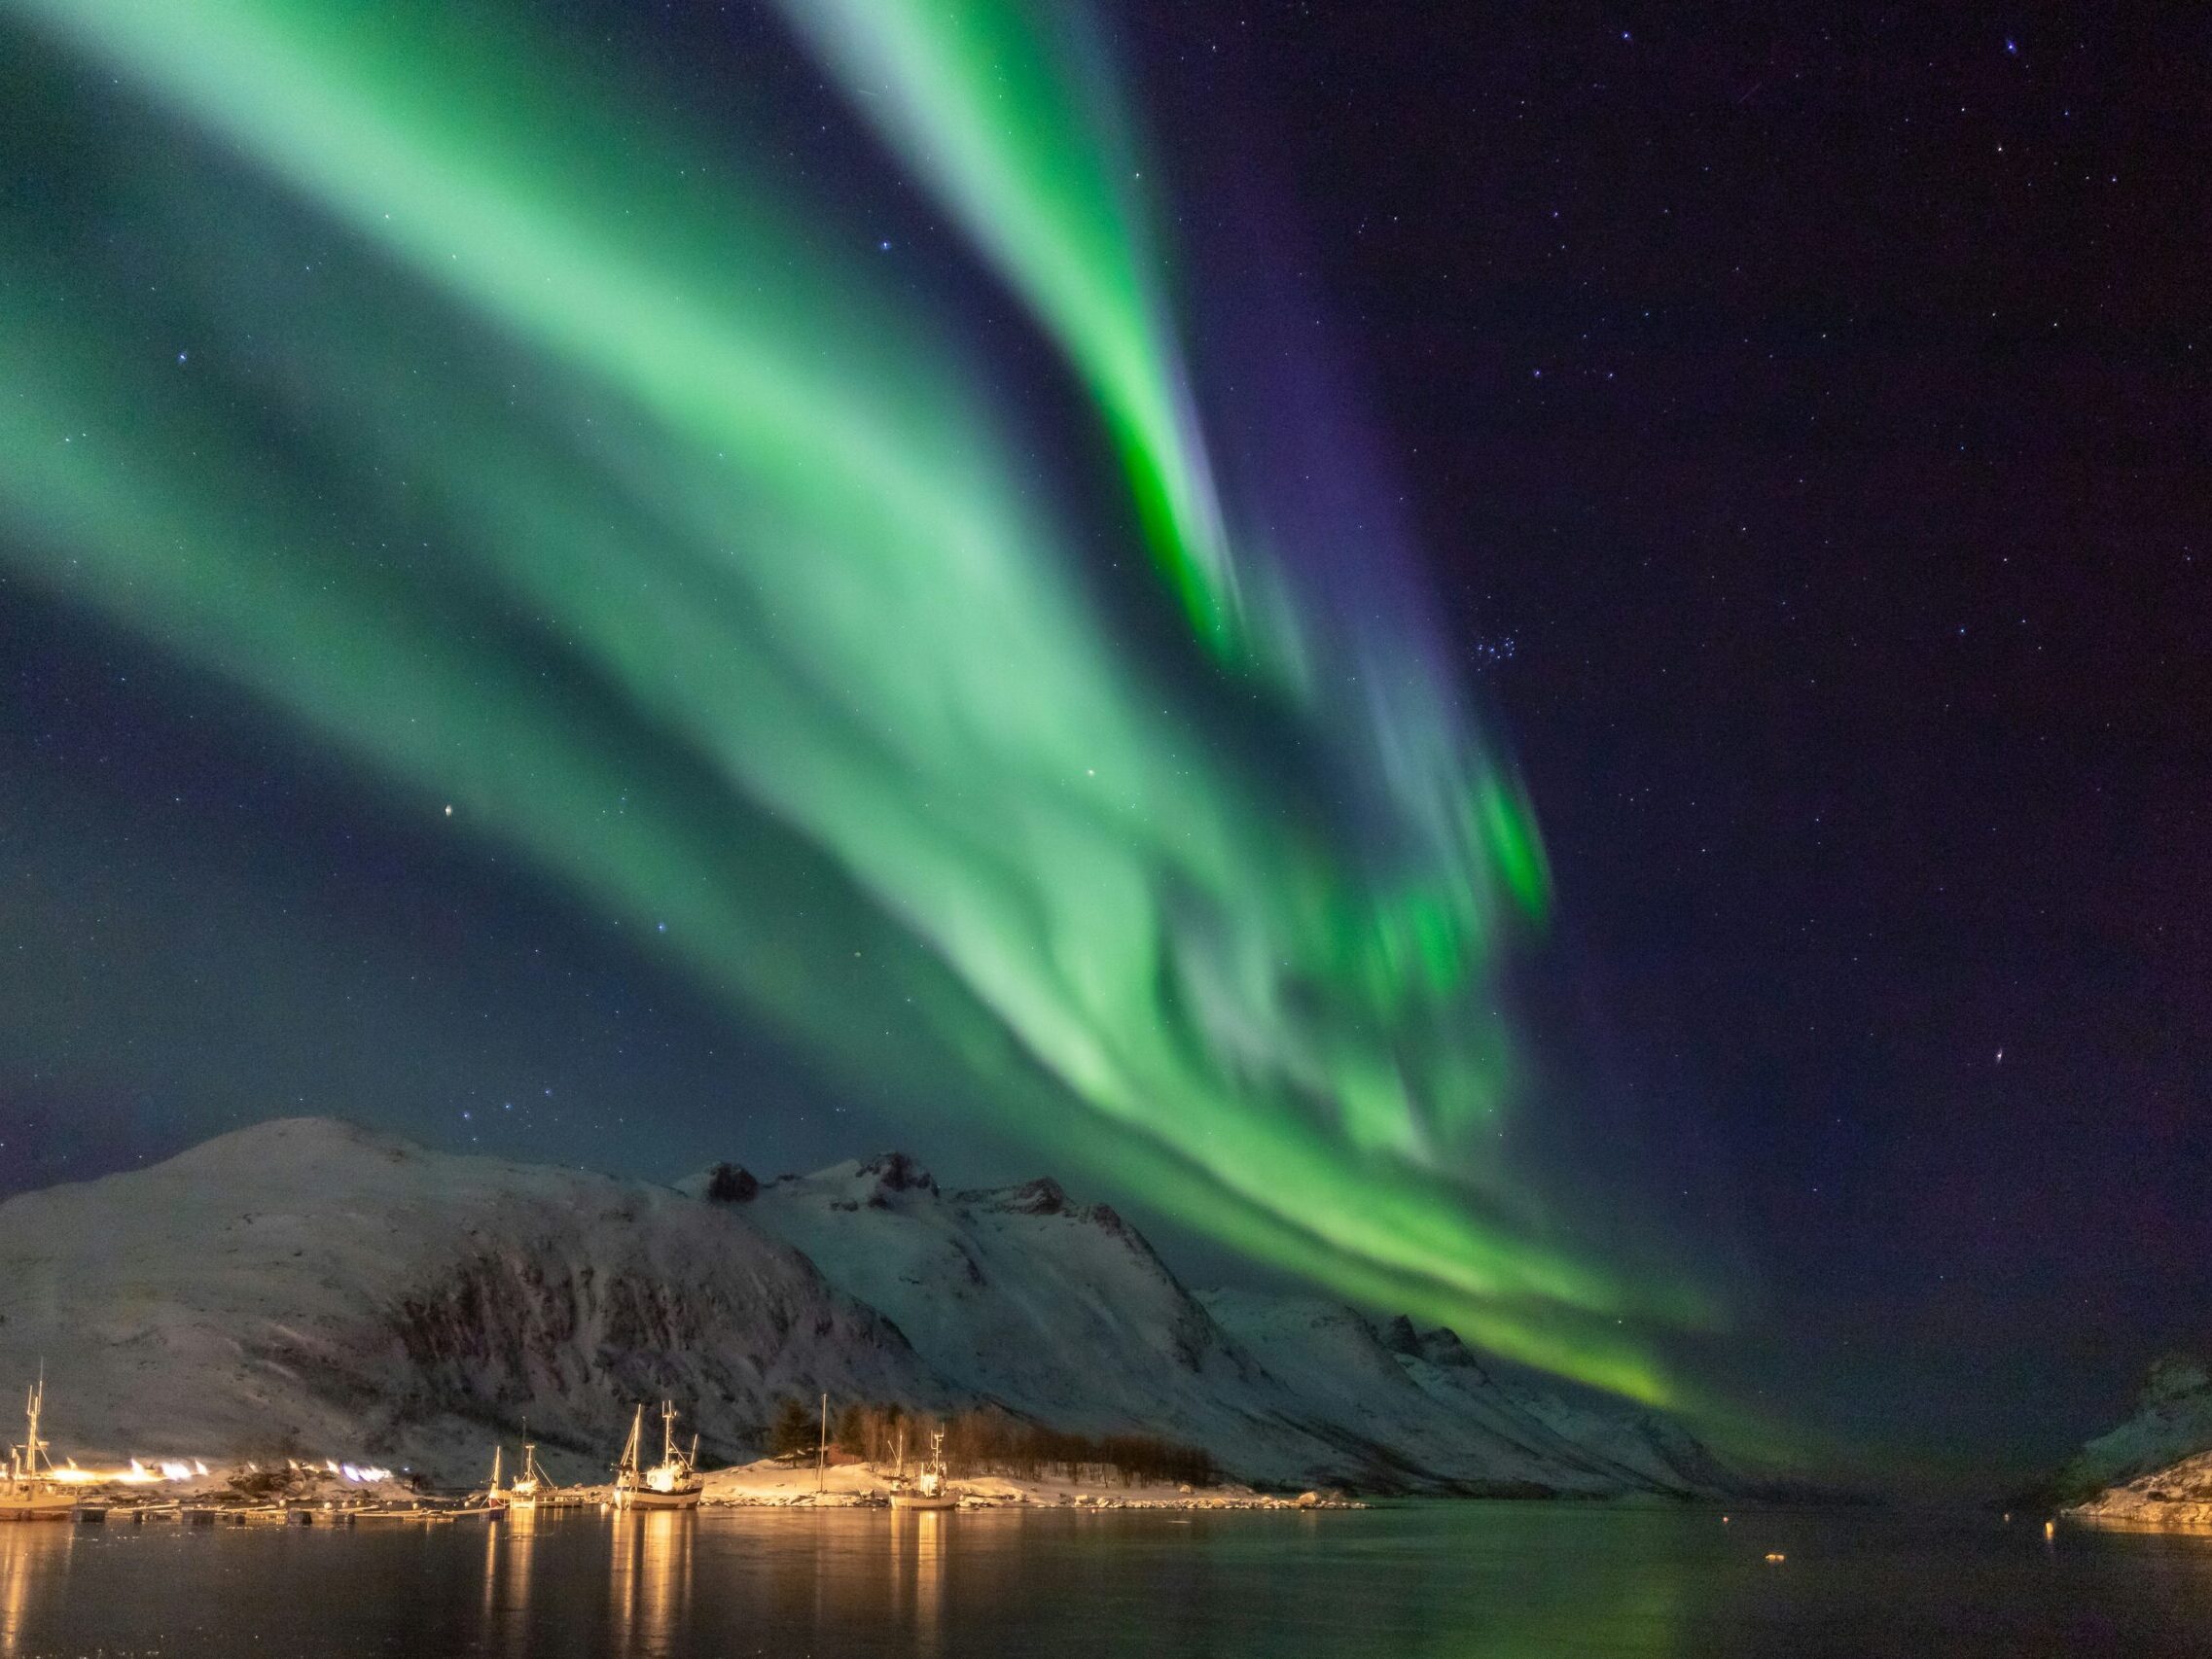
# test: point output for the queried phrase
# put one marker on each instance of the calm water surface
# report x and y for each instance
(1458, 1579)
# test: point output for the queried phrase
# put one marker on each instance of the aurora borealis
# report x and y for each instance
(625, 476)
(1012, 583)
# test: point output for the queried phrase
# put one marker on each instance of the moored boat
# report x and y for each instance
(30, 1490)
(494, 1503)
(531, 1484)
(929, 1491)
(672, 1483)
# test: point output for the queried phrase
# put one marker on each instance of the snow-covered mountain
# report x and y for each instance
(2157, 1447)
(306, 1285)
(1417, 1408)
(309, 1285)
(1061, 1312)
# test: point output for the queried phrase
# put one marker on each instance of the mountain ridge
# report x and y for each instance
(308, 1283)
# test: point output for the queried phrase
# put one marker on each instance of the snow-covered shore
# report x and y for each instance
(775, 1483)
(2155, 1468)
(2177, 1496)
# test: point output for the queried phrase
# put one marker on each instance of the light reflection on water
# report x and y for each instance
(34, 1556)
(925, 1562)
(1463, 1581)
(650, 1579)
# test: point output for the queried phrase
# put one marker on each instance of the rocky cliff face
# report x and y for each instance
(306, 1286)
(1055, 1309)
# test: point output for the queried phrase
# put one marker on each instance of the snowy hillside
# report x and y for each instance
(1061, 1312)
(2178, 1496)
(305, 1286)
(1057, 1311)
(1419, 1409)
(2172, 1421)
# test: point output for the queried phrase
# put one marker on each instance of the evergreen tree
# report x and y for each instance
(851, 1435)
(794, 1428)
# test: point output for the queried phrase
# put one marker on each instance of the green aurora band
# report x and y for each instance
(1000, 115)
(747, 612)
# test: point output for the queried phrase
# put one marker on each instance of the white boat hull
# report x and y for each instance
(645, 1498)
(37, 1505)
(916, 1501)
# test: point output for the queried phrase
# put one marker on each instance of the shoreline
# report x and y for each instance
(772, 1484)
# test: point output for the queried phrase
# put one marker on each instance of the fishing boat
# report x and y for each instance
(929, 1491)
(672, 1483)
(31, 1490)
(531, 1484)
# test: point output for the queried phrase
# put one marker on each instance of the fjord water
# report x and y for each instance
(1456, 1580)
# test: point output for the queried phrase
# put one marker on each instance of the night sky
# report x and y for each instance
(1799, 429)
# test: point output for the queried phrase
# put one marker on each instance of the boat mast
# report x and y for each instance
(667, 1431)
(629, 1464)
(34, 1404)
